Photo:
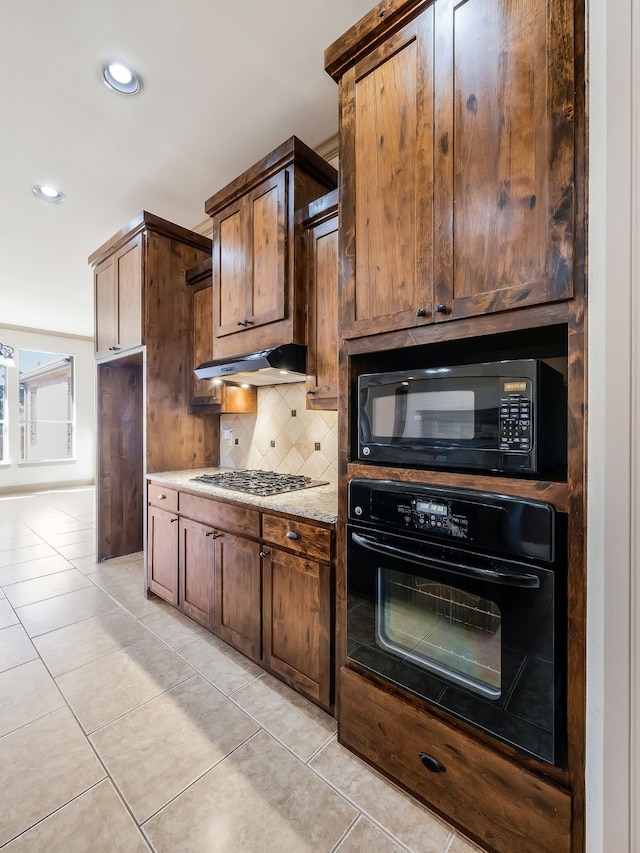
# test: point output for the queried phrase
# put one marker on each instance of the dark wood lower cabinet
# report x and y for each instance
(237, 594)
(506, 807)
(162, 554)
(196, 561)
(214, 561)
(296, 608)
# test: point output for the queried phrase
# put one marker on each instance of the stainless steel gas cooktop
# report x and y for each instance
(262, 483)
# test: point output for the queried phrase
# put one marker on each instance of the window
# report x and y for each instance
(47, 410)
(3, 414)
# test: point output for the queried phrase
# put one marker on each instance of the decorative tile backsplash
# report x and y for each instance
(283, 436)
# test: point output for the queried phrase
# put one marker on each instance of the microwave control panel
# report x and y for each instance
(515, 416)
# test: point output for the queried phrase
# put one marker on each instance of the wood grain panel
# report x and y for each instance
(220, 514)
(196, 571)
(162, 497)
(385, 145)
(323, 314)
(307, 539)
(503, 806)
(162, 554)
(238, 594)
(175, 439)
(504, 168)
(387, 206)
(106, 307)
(231, 254)
(129, 280)
(269, 256)
(119, 469)
(540, 490)
(297, 622)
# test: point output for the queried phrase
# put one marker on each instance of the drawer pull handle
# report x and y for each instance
(174, 519)
(290, 534)
(212, 533)
(432, 763)
(264, 553)
(162, 497)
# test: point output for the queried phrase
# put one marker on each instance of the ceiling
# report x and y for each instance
(223, 84)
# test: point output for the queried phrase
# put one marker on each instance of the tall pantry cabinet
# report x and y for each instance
(143, 343)
(462, 239)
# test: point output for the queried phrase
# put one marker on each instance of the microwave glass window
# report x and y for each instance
(444, 414)
(432, 410)
(442, 629)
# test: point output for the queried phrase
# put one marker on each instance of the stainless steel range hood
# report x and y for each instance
(276, 366)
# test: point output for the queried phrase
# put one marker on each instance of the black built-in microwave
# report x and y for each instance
(500, 416)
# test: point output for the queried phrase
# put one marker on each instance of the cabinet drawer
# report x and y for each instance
(507, 807)
(220, 514)
(302, 538)
(163, 497)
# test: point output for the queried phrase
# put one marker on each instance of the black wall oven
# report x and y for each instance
(459, 597)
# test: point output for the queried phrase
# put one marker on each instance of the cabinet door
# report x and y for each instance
(230, 268)
(162, 554)
(237, 594)
(387, 164)
(203, 391)
(196, 563)
(129, 278)
(503, 147)
(322, 315)
(106, 307)
(250, 259)
(297, 622)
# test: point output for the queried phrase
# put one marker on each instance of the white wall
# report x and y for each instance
(614, 426)
(17, 476)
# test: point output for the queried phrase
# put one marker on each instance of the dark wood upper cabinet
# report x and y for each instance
(317, 233)
(118, 300)
(258, 292)
(457, 161)
(210, 396)
(143, 382)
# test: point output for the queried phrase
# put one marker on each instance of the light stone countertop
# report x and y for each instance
(319, 502)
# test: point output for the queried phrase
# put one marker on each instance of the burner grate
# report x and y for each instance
(261, 483)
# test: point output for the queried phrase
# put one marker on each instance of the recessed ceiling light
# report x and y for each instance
(48, 193)
(117, 76)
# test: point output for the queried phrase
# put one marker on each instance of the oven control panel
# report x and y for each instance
(431, 516)
(494, 522)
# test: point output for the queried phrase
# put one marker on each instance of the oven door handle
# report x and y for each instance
(506, 578)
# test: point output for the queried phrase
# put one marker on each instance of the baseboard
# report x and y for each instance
(46, 487)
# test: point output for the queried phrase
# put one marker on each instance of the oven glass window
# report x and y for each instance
(442, 629)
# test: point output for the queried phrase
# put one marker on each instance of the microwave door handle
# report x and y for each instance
(506, 578)
(399, 413)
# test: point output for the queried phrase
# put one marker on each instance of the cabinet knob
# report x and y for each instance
(421, 312)
(242, 322)
(162, 497)
(442, 309)
(264, 553)
(311, 392)
(291, 534)
(212, 533)
(432, 763)
(114, 349)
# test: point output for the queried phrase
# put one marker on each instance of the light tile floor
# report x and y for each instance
(126, 727)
